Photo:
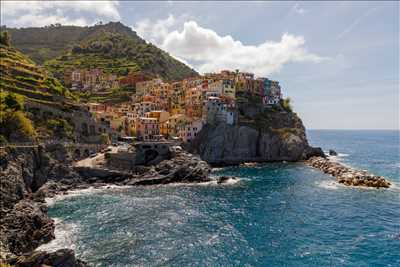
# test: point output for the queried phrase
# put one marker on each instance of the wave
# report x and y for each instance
(330, 185)
(65, 236)
(213, 182)
(86, 191)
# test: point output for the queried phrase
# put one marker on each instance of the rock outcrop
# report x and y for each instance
(61, 257)
(263, 136)
(346, 175)
(332, 152)
(183, 168)
(24, 223)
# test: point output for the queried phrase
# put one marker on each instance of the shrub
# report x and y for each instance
(15, 122)
(55, 86)
(11, 101)
(5, 38)
(60, 127)
(286, 104)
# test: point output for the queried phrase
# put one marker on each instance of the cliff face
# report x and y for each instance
(260, 136)
(24, 224)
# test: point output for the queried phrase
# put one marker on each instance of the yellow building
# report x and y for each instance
(173, 123)
(160, 115)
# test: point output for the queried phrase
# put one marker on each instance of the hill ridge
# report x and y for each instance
(47, 45)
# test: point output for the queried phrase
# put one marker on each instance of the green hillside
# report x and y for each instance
(23, 82)
(112, 46)
(20, 75)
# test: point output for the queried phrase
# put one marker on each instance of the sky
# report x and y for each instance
(337, 61)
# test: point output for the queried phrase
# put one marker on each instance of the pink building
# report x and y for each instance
(147, 129)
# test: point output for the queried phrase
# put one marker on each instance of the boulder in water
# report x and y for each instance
(332, 152)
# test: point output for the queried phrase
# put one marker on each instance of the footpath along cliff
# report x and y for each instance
(260, 134)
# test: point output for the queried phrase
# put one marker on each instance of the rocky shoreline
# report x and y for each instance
(30, 175)
(346, 175)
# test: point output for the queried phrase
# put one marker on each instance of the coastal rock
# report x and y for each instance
(332, 152)
(265, 137)
(25, 172)
(26, 226)
(346, 175)
(61, 257)
(183, 168)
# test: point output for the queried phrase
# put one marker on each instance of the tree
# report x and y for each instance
(16, 123)
(5, 38)
(286, 105)
(12, 102)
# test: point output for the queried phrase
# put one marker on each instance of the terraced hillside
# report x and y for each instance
(36, 107)
(20, 75)
(111, 46)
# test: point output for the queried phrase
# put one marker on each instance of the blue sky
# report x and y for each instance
(337, 61)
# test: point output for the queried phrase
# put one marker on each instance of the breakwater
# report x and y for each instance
(346, 175)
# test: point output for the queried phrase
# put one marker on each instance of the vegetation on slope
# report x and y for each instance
(112, 46)
(20, 81)
(14, 124)
(20, 75)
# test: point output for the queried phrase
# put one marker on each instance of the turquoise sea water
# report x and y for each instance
(277, 215)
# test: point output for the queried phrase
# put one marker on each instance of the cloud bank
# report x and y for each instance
(41, 13)
(208, 51)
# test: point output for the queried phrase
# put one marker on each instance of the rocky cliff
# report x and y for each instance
(24, 223)
(261, 135)
(29, 174)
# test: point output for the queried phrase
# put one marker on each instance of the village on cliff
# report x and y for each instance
(161, 110)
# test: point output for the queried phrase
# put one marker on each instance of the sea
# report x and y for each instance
(277, 214)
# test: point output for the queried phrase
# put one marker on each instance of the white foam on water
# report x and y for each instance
(330, 185)
(394, 187)
(79, 192)
(213, 182)
(65, 237)
(231, 181)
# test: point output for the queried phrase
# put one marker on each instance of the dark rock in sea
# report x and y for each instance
(346, 175)
(183, 168)
(314, 152)
(332, 152)
(60, 258)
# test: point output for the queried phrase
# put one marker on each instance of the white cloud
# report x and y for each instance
(208, 51)
(155, 32)
(39, 13)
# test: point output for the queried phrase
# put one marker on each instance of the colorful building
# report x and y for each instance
(189, 130)
(147, 129)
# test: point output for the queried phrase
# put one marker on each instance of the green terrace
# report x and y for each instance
(19, 75)
(121, 66)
